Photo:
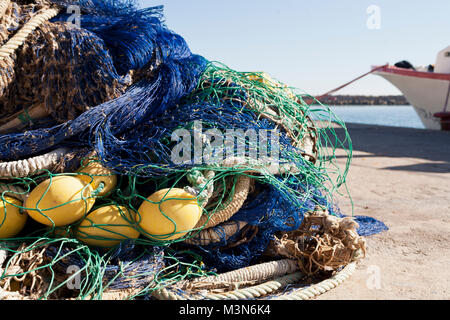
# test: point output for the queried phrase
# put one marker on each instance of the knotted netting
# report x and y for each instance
(130, 164)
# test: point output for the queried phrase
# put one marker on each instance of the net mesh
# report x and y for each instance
(157, 118)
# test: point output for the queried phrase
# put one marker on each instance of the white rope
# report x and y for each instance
(19, 38)
(267, 288)
(25, 168)
(259, 290)
(259, 273)
(209, 236)
(3, 6)
(241, 192)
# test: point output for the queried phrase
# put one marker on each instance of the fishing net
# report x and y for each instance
(130, 165)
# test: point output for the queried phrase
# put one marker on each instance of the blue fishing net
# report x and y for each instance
(157, 86)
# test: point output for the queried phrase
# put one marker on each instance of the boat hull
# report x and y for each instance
(427, 92)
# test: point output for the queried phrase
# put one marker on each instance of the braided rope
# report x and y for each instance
(241, 192)
(256, 273)
(211, 235)
(6, 65)
(234, 279)
(259, 290)
(25, 168)
(19, 38)
(7, 74)
(267, 288)
(3, 6)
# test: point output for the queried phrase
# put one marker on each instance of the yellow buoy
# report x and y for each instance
(12, 220)
(98, 174)
(67, 200)
(170, 214)
(107, 227)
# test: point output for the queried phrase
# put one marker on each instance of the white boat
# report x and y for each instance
(426, 88)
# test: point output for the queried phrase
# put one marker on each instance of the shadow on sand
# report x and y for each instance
(381, 141)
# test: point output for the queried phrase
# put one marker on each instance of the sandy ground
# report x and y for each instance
(401, 177)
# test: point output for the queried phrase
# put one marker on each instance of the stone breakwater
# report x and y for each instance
(340, 100)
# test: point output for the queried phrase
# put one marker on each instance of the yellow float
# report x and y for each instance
(169, 214)
(107, 227)
(98, 174)
(12, 220)
(60, 201)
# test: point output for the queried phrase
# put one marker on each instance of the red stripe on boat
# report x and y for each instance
(412, 73)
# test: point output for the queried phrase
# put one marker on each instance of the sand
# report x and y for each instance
(400, 176)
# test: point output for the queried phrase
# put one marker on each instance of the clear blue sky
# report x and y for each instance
(312, 45)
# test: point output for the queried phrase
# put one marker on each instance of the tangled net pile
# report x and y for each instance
(122, 108)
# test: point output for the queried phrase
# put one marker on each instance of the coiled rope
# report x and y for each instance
(7, 59)
(252, 274)
(25, 168)
(212, 236)
(258, 291)
(220, 218)
(265, 289)
(240, 195)
(19, 38)
(3, 6)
